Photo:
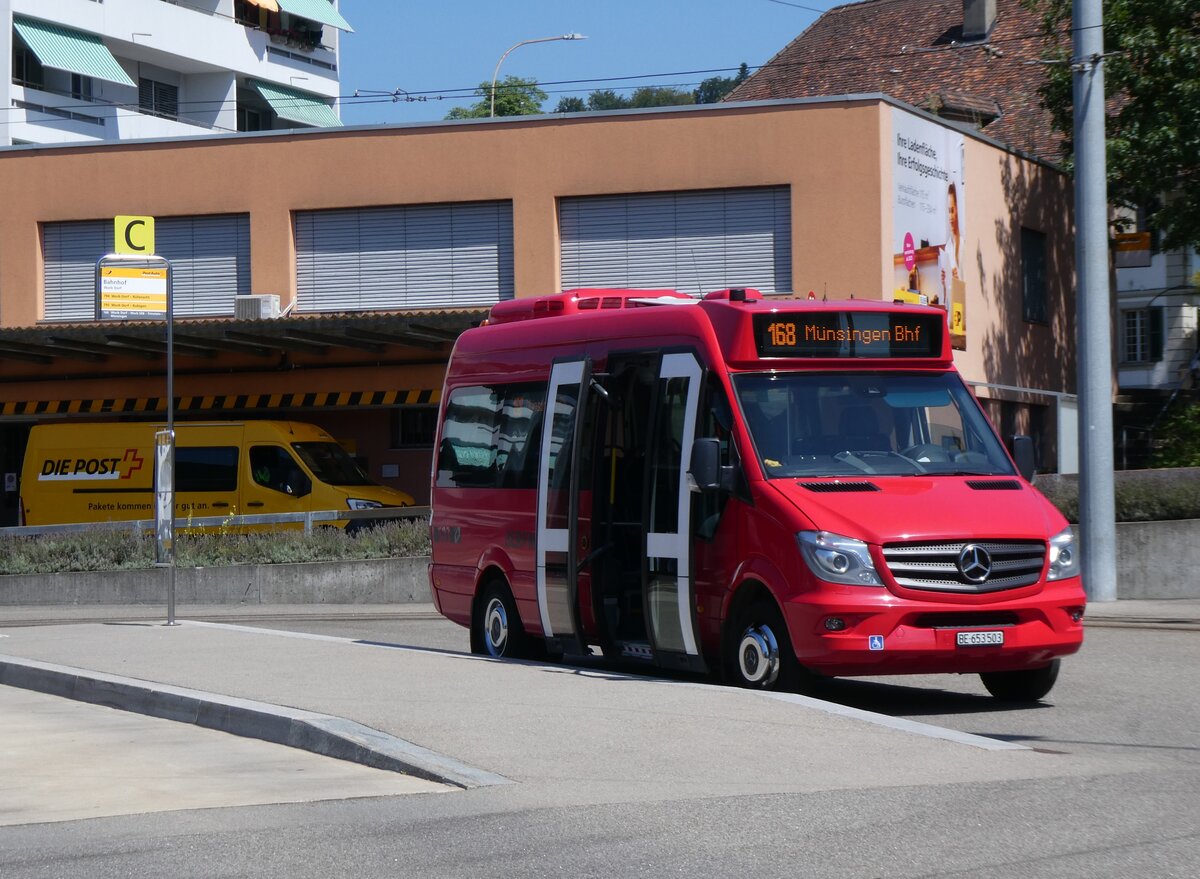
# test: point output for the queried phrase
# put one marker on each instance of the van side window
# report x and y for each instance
(490, 437)
(206, 468)
(274, 468)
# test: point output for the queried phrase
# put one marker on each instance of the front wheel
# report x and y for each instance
(1027, 685)
(496, 628)
(760, 652)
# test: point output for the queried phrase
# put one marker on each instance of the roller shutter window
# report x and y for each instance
(210, 264)
(689, 241)
(416, 256)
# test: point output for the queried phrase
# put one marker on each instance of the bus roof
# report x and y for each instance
(754, 332)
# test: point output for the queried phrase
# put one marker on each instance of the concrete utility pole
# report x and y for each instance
(1097, 508)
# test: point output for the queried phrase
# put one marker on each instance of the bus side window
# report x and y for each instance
(467, 453)
(519, 435)
(490, 438)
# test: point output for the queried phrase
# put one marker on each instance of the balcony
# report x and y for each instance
(195, 37)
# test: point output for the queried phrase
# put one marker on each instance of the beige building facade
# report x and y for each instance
(383, 243)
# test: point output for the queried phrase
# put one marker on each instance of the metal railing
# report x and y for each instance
(308, 518)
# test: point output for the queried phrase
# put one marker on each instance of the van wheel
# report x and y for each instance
(496, 628)
(760, 653)
(1027, 685)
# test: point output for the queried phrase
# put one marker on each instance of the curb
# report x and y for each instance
(322, 734)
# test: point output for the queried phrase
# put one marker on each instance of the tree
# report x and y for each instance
(715, 88)
(1152, 83)
(571, 104)
(514, 97)
(660, 96)
(606, 99)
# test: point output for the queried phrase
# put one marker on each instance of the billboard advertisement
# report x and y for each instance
(928, 211)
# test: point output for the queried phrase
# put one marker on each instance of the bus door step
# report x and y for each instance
(636, 650)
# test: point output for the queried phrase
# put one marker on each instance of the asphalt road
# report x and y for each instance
(1130, 699)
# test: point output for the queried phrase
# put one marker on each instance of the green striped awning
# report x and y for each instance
(63, 48)
(297, 106)
(316, 10)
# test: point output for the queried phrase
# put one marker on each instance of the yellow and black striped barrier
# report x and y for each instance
(223, 402)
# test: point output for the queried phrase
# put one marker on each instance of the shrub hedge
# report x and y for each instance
(1141, 495)
(108, 549)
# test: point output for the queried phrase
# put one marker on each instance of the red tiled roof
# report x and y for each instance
(906, 49)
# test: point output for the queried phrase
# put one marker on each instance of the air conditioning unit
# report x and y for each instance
(259, 307)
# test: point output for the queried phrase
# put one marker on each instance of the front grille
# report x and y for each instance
(934, 567)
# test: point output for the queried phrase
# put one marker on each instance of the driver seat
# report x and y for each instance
(858, 430)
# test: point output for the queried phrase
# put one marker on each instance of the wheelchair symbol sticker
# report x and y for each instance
(875, 642)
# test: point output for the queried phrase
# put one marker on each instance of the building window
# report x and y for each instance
(27, 70)
(250, 120)
(158, 98)
(1142, 335)
(414, 427)
(1033, 275)
(81, 87)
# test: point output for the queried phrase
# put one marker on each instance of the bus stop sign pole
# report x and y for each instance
(139, 287)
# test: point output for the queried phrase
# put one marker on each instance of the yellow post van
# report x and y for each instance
(105, 471)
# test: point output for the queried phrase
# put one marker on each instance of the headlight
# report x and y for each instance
(1064, 556)
(360, 504)
(838, 559)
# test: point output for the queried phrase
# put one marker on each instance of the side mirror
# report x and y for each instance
(1022, 451)
(298, 485)
(705, 467)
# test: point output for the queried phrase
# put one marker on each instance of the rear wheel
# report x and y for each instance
(496, 628)
(1027, 685)
(760, 653)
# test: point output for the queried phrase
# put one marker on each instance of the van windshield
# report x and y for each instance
(330, 464)
(880, 423)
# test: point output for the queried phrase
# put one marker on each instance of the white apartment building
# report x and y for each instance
(1158, 314)
(92, 70)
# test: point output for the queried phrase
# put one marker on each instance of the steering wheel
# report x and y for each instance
(926, 453)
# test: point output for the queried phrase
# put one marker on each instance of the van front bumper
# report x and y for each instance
(884, 635)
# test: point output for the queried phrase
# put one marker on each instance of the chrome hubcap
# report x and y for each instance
(495, 627)
(758, 656)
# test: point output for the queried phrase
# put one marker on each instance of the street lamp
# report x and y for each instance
(519, 45)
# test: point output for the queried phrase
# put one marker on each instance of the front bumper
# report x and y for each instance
(888, 635)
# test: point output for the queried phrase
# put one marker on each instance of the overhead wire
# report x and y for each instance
(630, 81)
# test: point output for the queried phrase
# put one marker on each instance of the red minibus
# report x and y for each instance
(773, 490)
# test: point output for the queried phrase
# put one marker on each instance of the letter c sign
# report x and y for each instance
(134, 235)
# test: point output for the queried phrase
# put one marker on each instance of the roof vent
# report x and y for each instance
(262, 306)
(994, 484)
(833, 487)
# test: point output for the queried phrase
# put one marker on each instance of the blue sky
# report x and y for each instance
(440, 48)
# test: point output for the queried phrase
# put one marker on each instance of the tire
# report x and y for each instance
(496, 628)
(759, 652)
(1027, 685)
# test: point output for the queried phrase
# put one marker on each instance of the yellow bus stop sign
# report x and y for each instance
(134, 235)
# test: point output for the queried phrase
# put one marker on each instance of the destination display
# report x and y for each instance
(844, 334)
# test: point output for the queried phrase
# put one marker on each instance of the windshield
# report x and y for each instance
(330, 464)
(882, 423)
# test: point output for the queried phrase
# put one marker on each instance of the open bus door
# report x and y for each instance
(668, 580)
(558, 508)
